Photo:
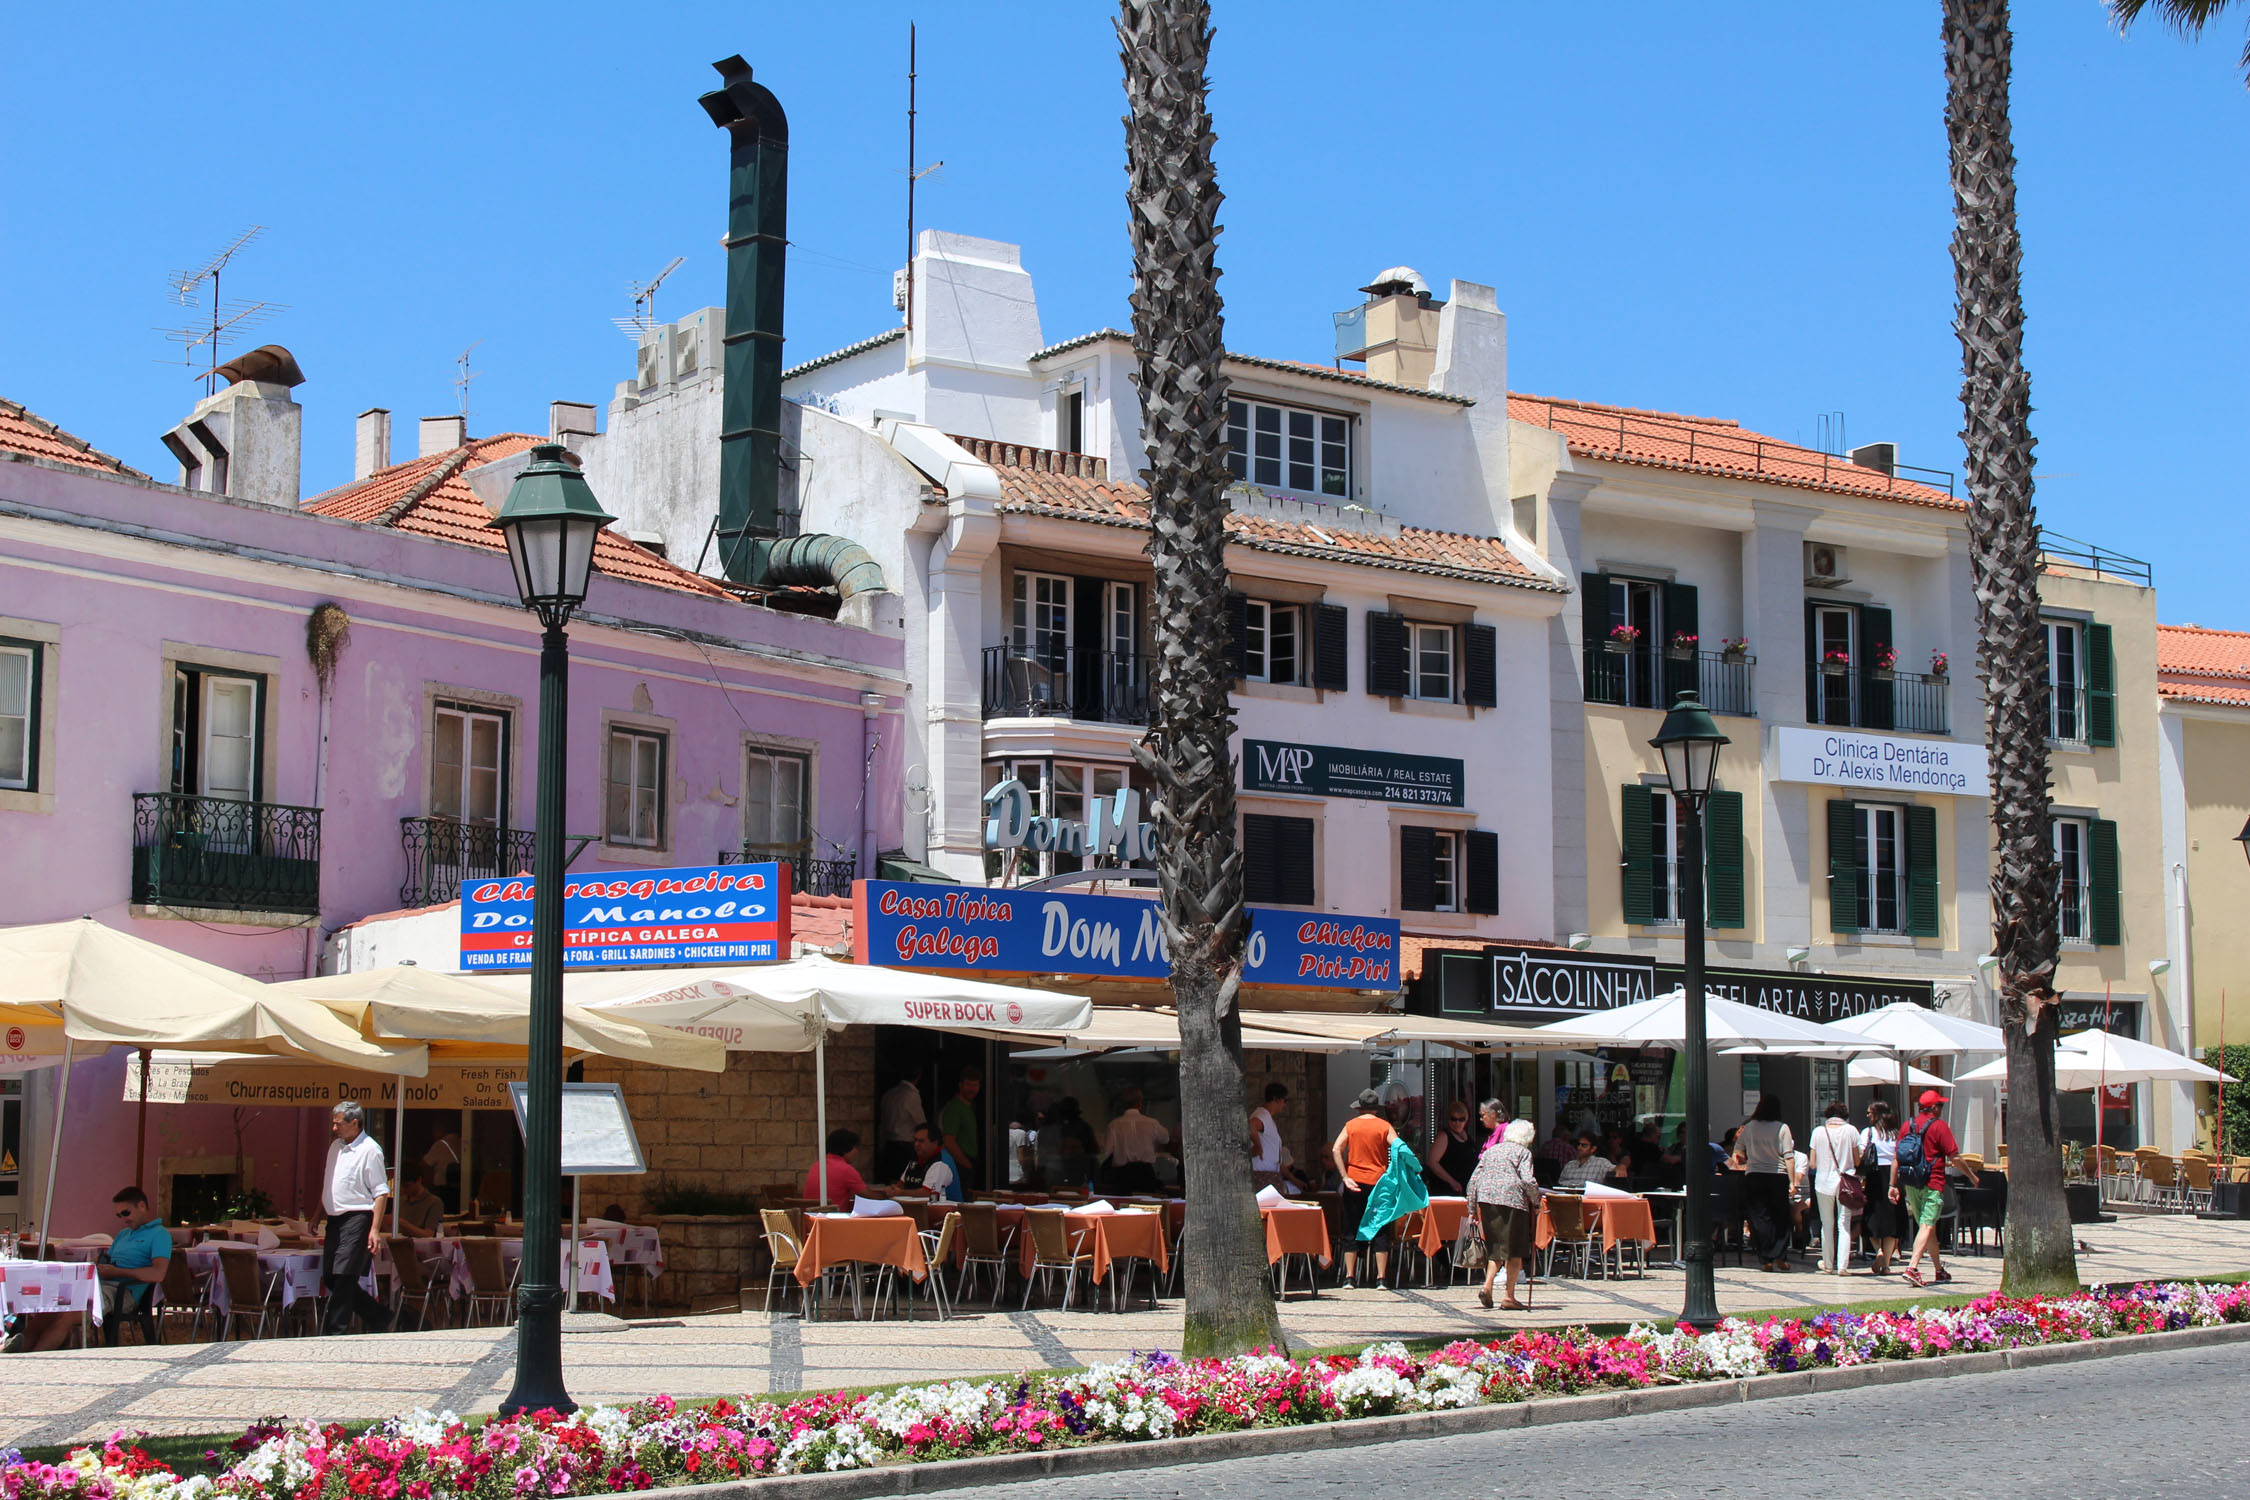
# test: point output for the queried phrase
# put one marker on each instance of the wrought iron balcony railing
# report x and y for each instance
(1105, 686)
(443, 854)
(1840, 694)
(1645, 676)
(227, 855)
(814, 877)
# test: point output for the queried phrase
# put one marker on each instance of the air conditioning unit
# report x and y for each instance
(1827, 566)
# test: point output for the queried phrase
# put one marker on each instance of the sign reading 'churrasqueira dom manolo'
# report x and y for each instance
(996, 931)
(1333, 771)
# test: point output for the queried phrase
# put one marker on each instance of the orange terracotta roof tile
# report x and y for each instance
(1077, 487)
(431, 497)
(1713, 445)
(36, 437)
(2196, 665)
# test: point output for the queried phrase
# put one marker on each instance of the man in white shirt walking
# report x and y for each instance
(1133, 1142)
(353, 1192)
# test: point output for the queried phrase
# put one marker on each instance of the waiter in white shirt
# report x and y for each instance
(353, 1191)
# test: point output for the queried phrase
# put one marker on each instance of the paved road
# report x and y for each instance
(2144, 1425)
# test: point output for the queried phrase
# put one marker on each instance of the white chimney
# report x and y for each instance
(371, 443)
(569, 419)
(443, 434)
(245, 441)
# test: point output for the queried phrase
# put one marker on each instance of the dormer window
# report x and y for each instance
(1288, 448)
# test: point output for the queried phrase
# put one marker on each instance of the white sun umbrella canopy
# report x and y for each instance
(1876, 1072)
(1728, 1025)
(1919, 1031)
(791, 1007)
(2090, 1059)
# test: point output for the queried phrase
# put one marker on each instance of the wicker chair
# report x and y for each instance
(488, 1279)
(983, 1245)
(1568, 1216)
(1052, 1253)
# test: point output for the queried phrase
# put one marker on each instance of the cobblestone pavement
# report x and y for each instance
(52, 1398)
(2047, 1432)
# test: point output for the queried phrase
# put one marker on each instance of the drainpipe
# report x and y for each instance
(870, 739)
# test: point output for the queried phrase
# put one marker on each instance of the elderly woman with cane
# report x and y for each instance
(1504, 1195)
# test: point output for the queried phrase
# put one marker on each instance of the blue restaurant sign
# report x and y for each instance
(698, 914)
(981, 930)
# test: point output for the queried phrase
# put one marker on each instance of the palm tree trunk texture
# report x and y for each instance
(2004, 562)
(1173, 198)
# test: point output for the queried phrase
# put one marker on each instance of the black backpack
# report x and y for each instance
(1913, 1159)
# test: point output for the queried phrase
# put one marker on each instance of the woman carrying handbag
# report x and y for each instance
(1837, 1189)
(1504, 1198)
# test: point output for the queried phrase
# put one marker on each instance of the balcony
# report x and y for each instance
(1645, 676)
(1841, 695)
(443, 854)
(223, 855)
(813, 877)
(1104, 686)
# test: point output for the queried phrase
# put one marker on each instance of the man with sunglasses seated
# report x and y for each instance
(130, 1270)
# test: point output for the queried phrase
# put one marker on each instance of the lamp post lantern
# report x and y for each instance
(550, 520)
(1689, 743)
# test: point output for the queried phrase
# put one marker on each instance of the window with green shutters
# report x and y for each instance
(2101, 687)
(1722, 860)
(2103, 896)
(1921, 872)
(1882, 868)
(1654, 857)
(1843, 866)
(2081, 683)
(1637, 805)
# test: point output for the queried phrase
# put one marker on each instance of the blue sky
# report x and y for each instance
(1735, 209)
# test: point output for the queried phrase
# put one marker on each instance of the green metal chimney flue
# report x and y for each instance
(757, 251)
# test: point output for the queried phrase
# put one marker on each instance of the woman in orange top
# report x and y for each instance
(1362, 1150)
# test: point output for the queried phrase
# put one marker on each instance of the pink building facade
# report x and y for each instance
(172, 762)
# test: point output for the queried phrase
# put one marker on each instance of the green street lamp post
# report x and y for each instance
(1689, 743)
(550, 520)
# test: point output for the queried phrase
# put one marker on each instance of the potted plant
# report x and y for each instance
(1937, 668)
(1837, 663)
(1622, 639)
(1734, 649)
(1683, 645)
(1886, 664)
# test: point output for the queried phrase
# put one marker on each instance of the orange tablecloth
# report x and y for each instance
(1433, 1228)
(890, 1241)
(1614, 1219)
(1296, 1229)
(1106, 1237)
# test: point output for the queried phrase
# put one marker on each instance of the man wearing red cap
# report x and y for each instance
(1918, 1176)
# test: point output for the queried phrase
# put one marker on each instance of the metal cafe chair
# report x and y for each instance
(983, 1245)
(1052, 1253)
(1568, 1217)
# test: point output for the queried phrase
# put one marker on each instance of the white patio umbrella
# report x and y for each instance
(1913, 1030)
(791, 1007)
(1728, 1025)
(2090, 1059)
(1873, 1072)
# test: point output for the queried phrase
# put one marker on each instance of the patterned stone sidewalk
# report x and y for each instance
(52, 1398)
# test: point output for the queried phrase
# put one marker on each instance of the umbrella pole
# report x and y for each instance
(2101, 1089)
(577, 1193)
(820, 1110)
(54, 1154)
(398, 1147)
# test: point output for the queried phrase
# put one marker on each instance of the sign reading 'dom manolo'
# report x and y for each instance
(1881, 762)
(1332, 771)
(697, 914)
(994, 931)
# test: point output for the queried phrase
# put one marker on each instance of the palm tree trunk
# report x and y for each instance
(1173, 198)
(2011, 645)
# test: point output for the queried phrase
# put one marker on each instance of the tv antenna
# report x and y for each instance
(461, 381)
(228, 319)
(913, 175)
(643, 320)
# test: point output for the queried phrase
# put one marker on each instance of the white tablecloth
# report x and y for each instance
(40, 1286)
(299, 1271)
(595, 1268)
(594, 1271)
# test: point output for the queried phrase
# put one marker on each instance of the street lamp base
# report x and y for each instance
(539, 1376)
(1700, 1306)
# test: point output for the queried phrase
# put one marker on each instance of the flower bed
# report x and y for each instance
(658, 1442)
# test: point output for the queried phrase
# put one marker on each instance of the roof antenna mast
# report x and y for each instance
(461, 382)
(913, 176)
(227, 318)
(643, 320)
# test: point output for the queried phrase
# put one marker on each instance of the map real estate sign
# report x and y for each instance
(974, 929)
(1333, 771)
(696, 914)
(1880, 762)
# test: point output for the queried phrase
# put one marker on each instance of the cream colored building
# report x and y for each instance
(2203, 714)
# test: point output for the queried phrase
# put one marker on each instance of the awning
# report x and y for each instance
(249, 1079)
(1383, 1030)
(1117, 1027)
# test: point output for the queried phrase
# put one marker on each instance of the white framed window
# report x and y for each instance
(1064, 789)
(1288, 448)
(1273, 641)
(468, 748)
(1445, 871)
(1667, 844)
(1041, 624)
(634, 789)
(217, 743)
(773, 798)
(1639, 603)
(1879, 849)
(2066, 681)
(19, 715)
(1836, 645)
(2075, 881)
(1121, 620)
(1429, 662)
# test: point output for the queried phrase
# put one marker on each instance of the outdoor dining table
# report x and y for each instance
(1433, 1229)
(1677, 1199)
(843, 1240)
(44, 1286)
(1107, 1237)
(298, 1270)
(1616, 1220)
(1295, 1229)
